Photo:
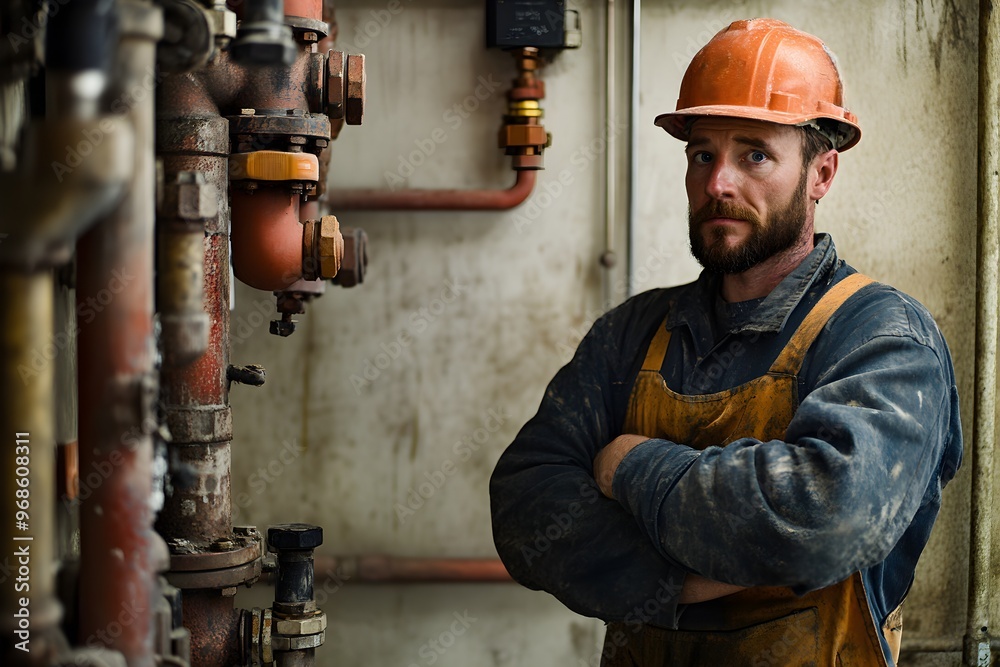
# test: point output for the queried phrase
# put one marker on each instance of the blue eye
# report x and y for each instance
(758, 157)
(701, 157)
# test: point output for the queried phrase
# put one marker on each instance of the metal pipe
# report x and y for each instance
(120, 552)
(608, 258)
(27, 417)
(434, 200)
(195, 397)
(267, 237)
(633, 150)
(381, 569)
(976, 643)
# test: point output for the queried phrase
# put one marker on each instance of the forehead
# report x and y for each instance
(721, 128)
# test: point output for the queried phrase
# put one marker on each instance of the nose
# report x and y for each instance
(722, 178)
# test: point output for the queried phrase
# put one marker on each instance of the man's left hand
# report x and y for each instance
(608, 459)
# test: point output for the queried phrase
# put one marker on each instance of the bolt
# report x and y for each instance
(336, 89)
(294, 536)
(355, 104)
(223, 544)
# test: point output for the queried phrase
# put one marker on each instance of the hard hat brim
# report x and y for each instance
(675, 122)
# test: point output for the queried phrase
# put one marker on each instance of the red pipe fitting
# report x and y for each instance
(266, 237)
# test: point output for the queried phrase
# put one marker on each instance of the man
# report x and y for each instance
(742, 470)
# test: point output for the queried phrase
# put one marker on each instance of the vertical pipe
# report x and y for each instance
(633, 150)
(120, 552)
(195, 396)
(976, 645)
(610, 158)
(26, 419)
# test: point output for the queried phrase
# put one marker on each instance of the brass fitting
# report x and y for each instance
(522, 135)
(322, 248)
(345, 87)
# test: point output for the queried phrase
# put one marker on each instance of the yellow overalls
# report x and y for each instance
(762, 626)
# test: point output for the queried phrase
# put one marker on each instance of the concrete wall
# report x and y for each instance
(494, 303)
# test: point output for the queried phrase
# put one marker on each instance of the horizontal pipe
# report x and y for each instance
(434, 200)
(382, 569)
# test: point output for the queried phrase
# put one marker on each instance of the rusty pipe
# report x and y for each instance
(434, 200)
(382, 569)
(120, 552)
(272, 249)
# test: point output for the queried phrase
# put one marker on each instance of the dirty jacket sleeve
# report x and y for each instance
(552, 527)
(871, 444)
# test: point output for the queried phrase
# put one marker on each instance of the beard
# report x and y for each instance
(782, 230)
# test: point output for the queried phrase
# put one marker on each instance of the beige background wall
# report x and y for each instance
(494, 303)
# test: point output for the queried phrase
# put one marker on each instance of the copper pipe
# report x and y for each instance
(120, 553)
(433, 200)
(376, 568)
(267, 237)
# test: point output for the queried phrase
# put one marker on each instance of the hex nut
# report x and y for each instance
(336, 88)
(355, 261)
(300, 536)
(331, 246)
(355, 104)
(190, 197)
(282, 643)
(222, 21)
(300, 626)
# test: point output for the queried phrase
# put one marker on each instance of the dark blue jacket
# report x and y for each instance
(855, 485)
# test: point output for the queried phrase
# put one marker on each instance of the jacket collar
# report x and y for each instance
(695, 302)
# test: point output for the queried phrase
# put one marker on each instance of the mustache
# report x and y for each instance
(724, 209)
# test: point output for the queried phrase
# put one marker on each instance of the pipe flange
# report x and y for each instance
(217, 579)
(305, 125)
(187, 558)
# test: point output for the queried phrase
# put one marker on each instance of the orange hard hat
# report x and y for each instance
(764, 69)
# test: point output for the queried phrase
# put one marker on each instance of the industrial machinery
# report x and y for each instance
(146, 147)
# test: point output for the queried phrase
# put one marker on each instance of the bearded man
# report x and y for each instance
(743, 470)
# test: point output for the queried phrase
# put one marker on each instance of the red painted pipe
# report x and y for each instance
(267, 238)
(376, 568)
(434, 200)
(120, 554)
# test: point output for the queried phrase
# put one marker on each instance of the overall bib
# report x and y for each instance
(761, 626)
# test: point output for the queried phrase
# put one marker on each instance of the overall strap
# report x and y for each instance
(790, 360)
(657, 349)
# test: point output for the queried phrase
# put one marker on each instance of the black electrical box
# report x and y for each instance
(516, 23)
